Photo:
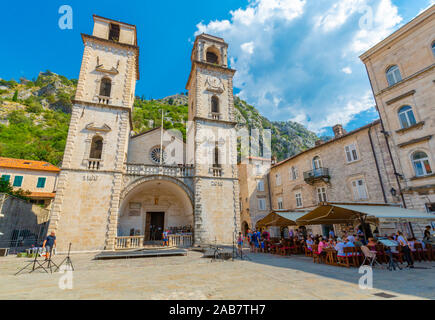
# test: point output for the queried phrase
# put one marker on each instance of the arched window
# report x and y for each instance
(317, 163)
(393, 75)
(216, 162)
(421, 164)
(96, 148)
(433, 48)
(406, 117)
(105, 87)
(215, 104)
(212, 57)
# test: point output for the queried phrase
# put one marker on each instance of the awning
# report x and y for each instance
(335, 213)
(280, 219)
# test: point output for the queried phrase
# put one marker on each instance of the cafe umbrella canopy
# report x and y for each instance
(338, 213)
(281, 219)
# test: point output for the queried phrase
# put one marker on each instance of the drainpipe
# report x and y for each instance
(389, 150)
(377, 165)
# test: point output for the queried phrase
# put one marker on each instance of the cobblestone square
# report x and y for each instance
(190, 277)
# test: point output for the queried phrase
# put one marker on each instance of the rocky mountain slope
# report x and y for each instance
(34, 119)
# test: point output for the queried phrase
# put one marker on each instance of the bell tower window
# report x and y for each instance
(212, 57)
(114, 32)
(106, 87)
(215, 104)
(96, 148)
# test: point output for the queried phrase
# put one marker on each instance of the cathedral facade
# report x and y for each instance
(114, 184)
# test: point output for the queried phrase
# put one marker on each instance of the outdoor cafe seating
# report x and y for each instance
(352, 256)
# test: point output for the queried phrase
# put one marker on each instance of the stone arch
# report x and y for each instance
(213, 55)
(132, 186)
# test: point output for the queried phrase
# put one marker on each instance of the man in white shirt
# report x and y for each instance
(405, 248)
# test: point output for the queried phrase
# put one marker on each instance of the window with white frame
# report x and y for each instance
(280, 204)
(321, 194)
(293, 173)
(262, 204)
(278, 179)
(393, 75)
(260, 185)
(351, 153)
(359, 189)
(317, 163)
(421, 164)
(299, 203)
(406, 117)
(258, 170)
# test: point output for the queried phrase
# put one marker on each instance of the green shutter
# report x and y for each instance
(6, 177)
(18, 181)
(41, 183)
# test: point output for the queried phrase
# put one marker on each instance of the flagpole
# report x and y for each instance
(161, 141)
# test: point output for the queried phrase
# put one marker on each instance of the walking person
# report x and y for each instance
(240, 243)
(165, 238)
(406, 249)
(49, 243)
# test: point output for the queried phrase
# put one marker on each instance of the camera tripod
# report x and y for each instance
(45, 265)
(67, 261)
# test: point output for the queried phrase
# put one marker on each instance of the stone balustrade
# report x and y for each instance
(132, 242)
(181, 171)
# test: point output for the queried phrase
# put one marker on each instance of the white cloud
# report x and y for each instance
(347, 70)
(248, 47)
(298, 60)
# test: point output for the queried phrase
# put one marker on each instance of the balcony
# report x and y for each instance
(321, 174)
(216, 171)
(181, 171)
(94, 164)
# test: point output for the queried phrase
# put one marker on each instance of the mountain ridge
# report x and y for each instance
(34, 119)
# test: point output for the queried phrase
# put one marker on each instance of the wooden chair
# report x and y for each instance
(430, 252)
(421, 253)
(317, 256)
(285, 248)
(398, 255)
(346, 259)
(380, 254)
(308, 252)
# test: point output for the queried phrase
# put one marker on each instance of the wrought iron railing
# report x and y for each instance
(320, 173)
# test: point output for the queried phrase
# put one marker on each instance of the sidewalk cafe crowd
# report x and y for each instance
(347, 249)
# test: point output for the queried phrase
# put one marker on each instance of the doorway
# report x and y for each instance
(155, 222)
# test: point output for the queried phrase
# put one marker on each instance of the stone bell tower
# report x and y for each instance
(212, 142)
(85, 210)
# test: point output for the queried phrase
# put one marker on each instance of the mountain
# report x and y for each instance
(34, 119)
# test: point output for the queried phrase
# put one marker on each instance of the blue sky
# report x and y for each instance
(296, 59)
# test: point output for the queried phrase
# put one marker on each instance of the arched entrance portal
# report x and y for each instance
(152, 205)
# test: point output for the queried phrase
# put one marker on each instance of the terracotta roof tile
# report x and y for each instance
(27, 164)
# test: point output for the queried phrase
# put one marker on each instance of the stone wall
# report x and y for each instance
(28, 221)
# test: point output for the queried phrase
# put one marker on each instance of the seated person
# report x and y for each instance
(339, 247)
(348, 244)
(309, 243)
(321, 246)
(358, 242)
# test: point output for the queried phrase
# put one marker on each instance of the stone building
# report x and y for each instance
(113, 184)
(254, 191)
(401, 70)
(353, 167)
(38, 177)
